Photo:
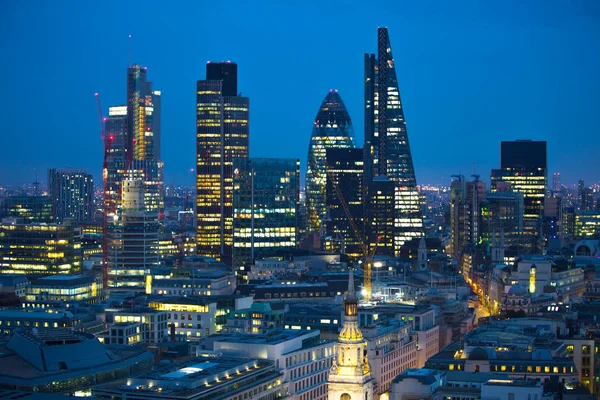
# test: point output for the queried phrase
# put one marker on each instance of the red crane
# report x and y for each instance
(106, 200)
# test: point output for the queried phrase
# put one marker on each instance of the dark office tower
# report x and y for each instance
(72, 194)
(556, 182)
(222, 133)
(225, 72)
(466, 199)
(380, 215)
(568, 222)
(387, 150)
(332, 129)
(347, 167)
(502, 212)
(29, 208)
(266, 195)
(552, 225)
(523, 165)
(586, 197)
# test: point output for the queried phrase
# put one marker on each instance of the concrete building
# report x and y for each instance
(153, 323)
(206, 281)
(274, 268)
(197, 317)
(133, 239)
(72, 193)
(223, 378)
(391, 349)
(12, 320)
(258, 319)
(538, 272)
(303, 358)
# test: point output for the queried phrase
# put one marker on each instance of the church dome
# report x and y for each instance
(478, 354)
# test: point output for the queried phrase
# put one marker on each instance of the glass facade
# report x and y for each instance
(30, 208)
(332, 129)
(72, 193)
(222, 133)
(523, 166)
(265, 204)
(346, 166)
(39, 249)
(387, 150)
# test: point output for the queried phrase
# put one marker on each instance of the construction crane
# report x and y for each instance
(367, 251)
(106, 200)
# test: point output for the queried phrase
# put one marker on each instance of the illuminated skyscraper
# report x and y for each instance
(222, 133)
(387, 150)
(265, 203)
(523, 166)
(332, 129)
(72, 193)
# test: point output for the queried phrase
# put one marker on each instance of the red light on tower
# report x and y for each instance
(111, 137)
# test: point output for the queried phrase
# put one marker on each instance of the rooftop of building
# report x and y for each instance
(514, 382)
(34, 315)
(63, 280)
(425, 376)
(206, 375)
(53, 354)
(273, 337)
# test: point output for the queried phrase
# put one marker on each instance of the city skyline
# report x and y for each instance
(504, 67)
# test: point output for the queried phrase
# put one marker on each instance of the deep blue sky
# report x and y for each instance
(471, 73)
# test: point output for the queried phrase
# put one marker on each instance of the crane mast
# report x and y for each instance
(367, 252)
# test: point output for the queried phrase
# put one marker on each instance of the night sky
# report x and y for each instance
(471, 74)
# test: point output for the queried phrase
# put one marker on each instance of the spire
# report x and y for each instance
(351, 287)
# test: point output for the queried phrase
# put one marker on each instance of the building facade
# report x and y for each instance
(72, 194)
(387, 150)
(265, 207)
(222, 134)
(38, 249)
(332, 129)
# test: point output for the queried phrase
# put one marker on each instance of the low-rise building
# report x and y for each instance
(12, 320)
(59, 361)
(302, 356)
(153, 324)
(274, 268)
(208, 281)
(223, 378)
(65, 288)
(259, 318)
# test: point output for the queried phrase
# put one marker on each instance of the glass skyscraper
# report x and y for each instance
(265, 206)
(523, 165)
(387, 150)
(332, 129)
(346, 167)
(222, 133)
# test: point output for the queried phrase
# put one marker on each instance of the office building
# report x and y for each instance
(381, 215)
(301, 356)
(133, 239)
(587, 225)
(64, 288)
(502, 212)
(222, 134)
(587, 202)
(222, 378)
(29, 208)
(556, 187)
(265, 207)
(346, 166)
(523, 165)
(387, 149)
(332, 129)
(72, 194)
(38, 249)
(466, 200)
(152, 324)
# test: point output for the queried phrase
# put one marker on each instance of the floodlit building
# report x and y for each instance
(65, 288)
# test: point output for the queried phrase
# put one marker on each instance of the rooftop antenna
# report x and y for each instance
(129, 51)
